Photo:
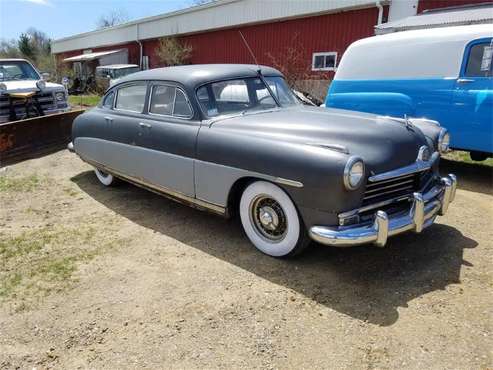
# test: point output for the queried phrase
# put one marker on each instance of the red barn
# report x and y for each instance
(303, 38)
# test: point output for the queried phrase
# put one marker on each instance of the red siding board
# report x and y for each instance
(436, 4)
(331, 32)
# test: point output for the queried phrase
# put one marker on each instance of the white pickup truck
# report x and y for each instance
(24, 93)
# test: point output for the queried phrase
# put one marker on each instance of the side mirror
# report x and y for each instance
(46, 76)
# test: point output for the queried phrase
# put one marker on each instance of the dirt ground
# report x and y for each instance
(92, 277)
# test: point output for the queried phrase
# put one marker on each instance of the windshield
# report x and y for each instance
(117, 73)
(242, 95)
(17, 70)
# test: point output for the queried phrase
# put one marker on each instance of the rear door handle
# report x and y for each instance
(147, 125)
(464, 80)
(109, 119)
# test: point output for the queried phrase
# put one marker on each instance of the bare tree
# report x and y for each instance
(112, 18)
(172, 52)
(9, 49)
(291, 61)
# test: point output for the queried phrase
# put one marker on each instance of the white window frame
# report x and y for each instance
(325, 53)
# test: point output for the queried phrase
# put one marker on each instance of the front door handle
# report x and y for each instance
(464, 80)
(147, 125)
(109, 119)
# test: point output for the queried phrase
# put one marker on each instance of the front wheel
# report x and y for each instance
(271, 220)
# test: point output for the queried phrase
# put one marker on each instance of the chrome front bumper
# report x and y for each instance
(424, 209)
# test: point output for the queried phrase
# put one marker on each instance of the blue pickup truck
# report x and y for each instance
(443, 74)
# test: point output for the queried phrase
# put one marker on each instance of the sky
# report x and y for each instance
(61, 18)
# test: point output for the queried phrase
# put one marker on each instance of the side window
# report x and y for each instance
(131, 98)
(108, 100)
(479, 60)
(162, 99)
(182, 108)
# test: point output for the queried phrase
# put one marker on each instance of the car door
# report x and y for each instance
(168, 135)
(471, 127)
(119, 152)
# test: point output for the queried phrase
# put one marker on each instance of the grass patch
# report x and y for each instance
(19, 184)
(84, 100)
(35, 263)
(23, 244)
(460, 156)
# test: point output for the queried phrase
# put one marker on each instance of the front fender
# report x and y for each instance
(224, 157)
(383, 103)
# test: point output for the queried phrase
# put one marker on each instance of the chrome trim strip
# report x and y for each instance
(373, 206)
(417, 166)
(421, 215)
(161, 189)
(288, 182)
(408, 187)
(397, 184)
(369, 186)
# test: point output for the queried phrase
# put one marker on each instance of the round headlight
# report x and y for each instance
(444, 141)
(41, 84)
(60, 96)
(354, 173)
(3, 87)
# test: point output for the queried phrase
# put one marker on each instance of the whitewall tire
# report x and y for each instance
(271, 221)
(104, 178)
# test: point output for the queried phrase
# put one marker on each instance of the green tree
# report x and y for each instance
(26, 47)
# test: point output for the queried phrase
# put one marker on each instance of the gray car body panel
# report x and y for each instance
(293, 147)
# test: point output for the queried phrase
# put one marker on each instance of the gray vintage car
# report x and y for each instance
(233, 139)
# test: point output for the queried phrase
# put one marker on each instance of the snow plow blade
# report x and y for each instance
(35, 137)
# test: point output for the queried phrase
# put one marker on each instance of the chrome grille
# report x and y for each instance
(392, 188)
(46, 100)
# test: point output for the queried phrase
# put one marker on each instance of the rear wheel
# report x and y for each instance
(271, 220)
(104, 178)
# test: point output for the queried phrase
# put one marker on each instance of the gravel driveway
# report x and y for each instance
(122, 278)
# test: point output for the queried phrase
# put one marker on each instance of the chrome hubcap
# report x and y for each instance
(268, 218)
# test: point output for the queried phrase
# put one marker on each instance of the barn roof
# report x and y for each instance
(214, 15)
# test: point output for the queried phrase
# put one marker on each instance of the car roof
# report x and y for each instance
(426, 53)
(194, 75)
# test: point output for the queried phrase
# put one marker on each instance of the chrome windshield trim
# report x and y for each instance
(417, 166)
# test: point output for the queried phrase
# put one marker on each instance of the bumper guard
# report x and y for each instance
(424, 209)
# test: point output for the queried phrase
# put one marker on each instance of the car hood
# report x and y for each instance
(28, 86)
(382, 142)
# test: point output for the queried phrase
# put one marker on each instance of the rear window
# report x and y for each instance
(131, 98)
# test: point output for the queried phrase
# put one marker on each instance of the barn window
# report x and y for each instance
(326, 61)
